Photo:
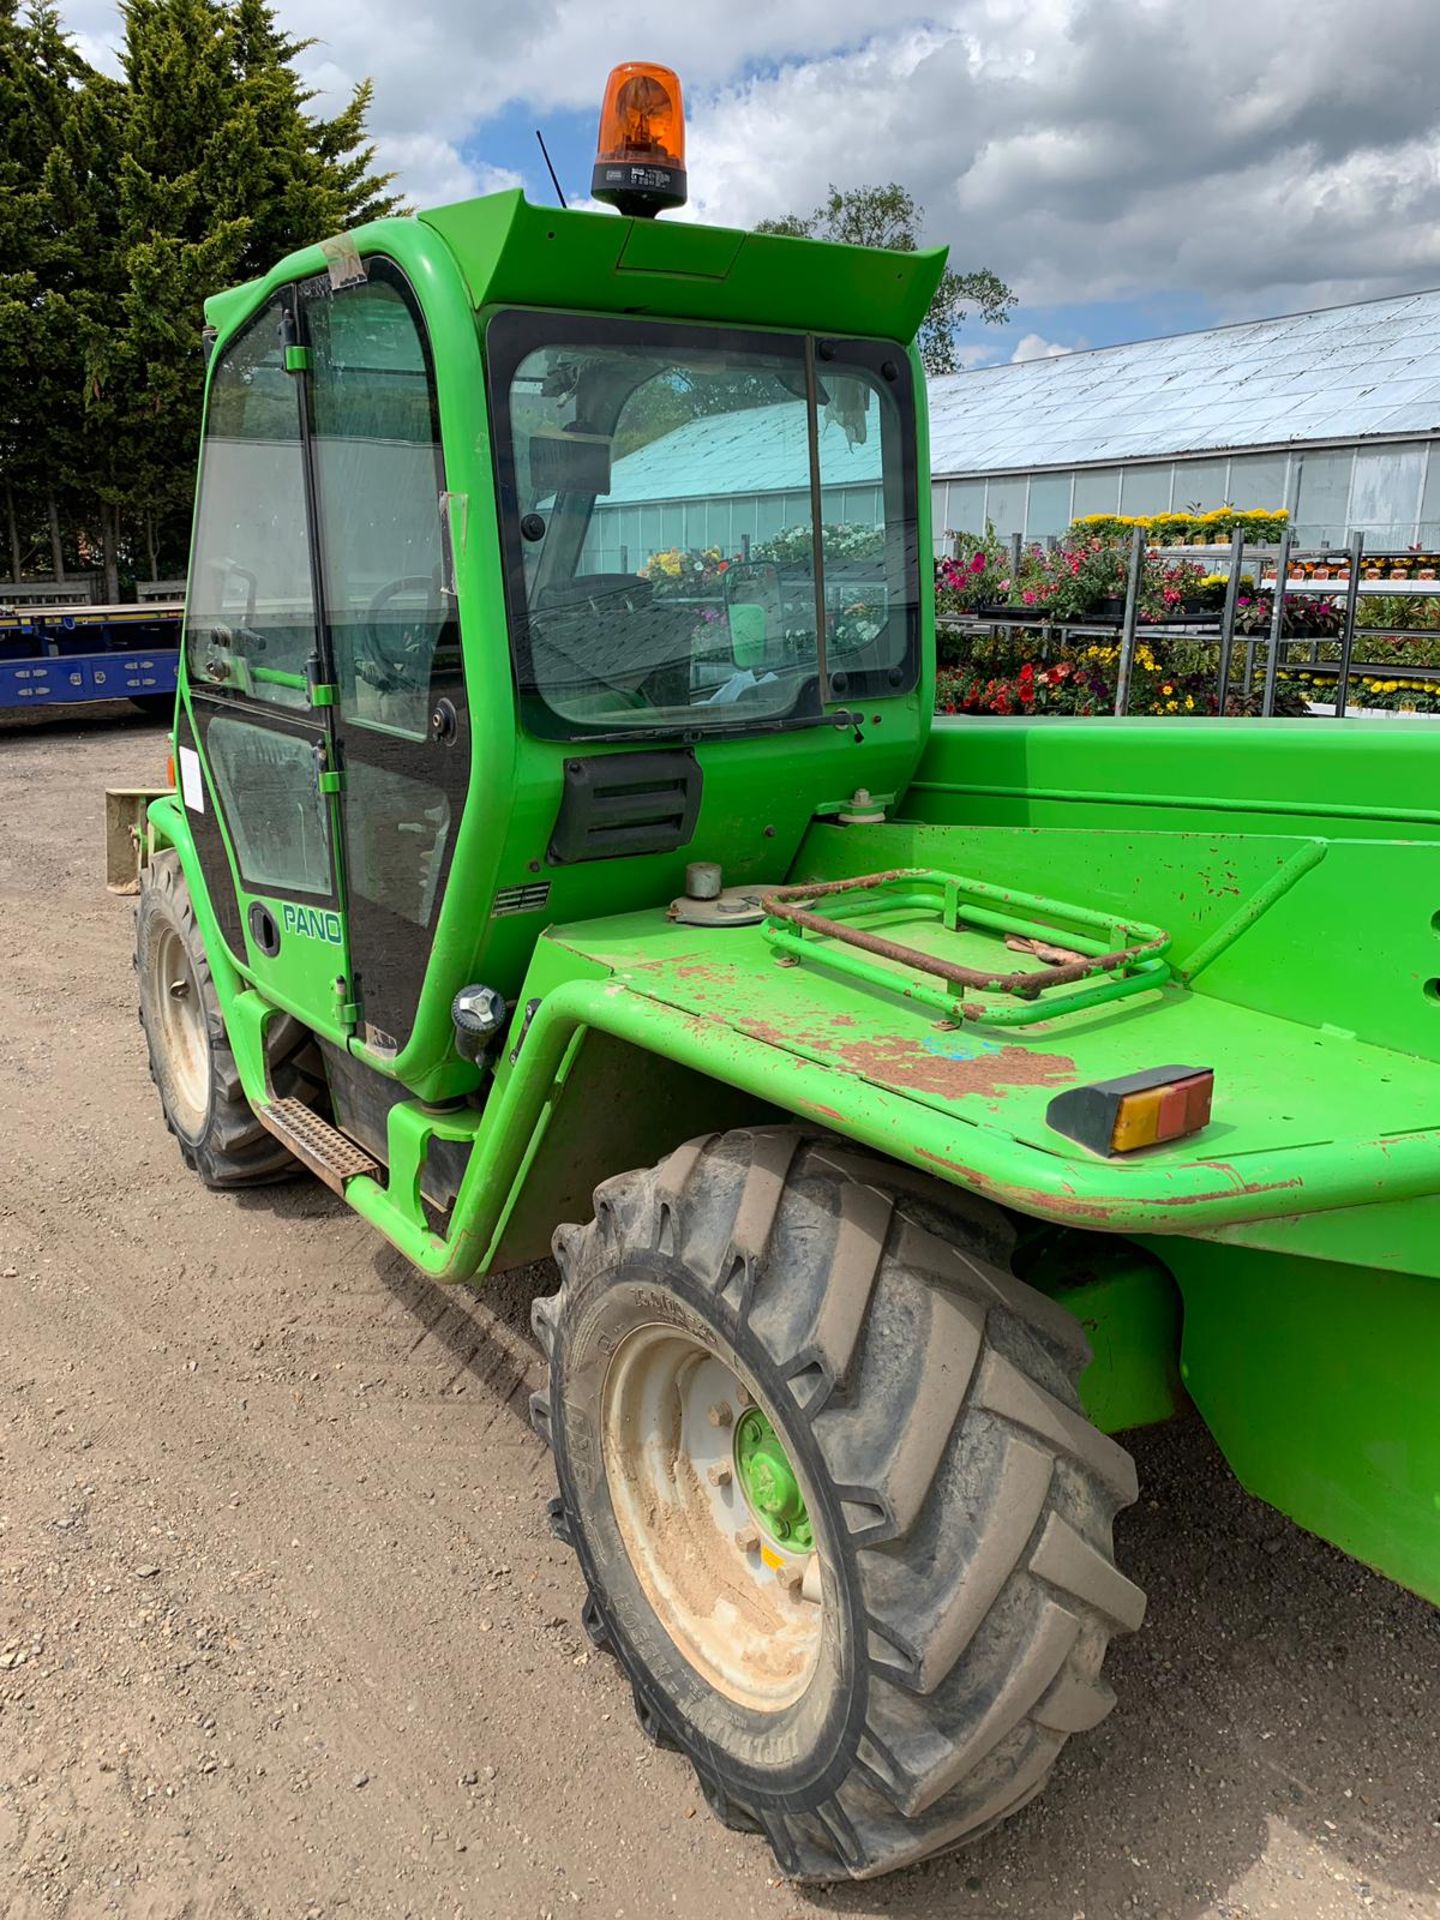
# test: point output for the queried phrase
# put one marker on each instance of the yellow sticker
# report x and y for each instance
(772, 1559)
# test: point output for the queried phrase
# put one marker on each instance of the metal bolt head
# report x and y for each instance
(719, 1475)
(791, 1578)
(748, 1539)
(721, 1414)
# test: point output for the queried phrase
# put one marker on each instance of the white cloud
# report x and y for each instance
(1033, 346)
(1083, 149)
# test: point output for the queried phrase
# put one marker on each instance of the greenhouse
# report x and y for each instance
(1333, 415)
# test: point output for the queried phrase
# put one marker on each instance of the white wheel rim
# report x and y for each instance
(746, 1613)
(179, 1016)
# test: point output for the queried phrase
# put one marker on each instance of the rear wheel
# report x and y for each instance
(190, 1058)
(842, 1522)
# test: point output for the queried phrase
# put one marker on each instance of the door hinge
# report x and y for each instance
(322, 694)
(332, 781)
(297, 359)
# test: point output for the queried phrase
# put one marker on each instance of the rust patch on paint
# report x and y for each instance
(953, 1072)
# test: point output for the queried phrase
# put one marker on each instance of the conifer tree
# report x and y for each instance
(44, 271)
(123, 204)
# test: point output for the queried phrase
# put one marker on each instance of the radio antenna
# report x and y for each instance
(559, 192)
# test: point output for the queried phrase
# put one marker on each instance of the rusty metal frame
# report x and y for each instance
(1116, 971)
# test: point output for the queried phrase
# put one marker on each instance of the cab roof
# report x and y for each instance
(514, 254)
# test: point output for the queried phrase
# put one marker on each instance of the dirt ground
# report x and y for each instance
(283, 1632)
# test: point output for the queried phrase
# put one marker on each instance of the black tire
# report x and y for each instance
(927, 1400)
(201, 1096)
(155, 706)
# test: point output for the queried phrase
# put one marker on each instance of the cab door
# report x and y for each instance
(257, 768)
(402, 726)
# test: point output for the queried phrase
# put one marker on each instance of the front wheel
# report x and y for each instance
(840, 1517)
(191, 1062)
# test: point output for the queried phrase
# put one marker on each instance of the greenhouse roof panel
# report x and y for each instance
(1341, 374)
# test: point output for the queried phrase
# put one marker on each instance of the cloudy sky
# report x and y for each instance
(1130, 167)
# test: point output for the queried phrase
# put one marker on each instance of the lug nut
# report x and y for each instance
(719, 1475)
(744, 1395)
(748, 1539)
(721, 1414)
(791, 1578)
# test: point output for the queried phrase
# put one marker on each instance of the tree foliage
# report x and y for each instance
(888, 216)
(123, 203)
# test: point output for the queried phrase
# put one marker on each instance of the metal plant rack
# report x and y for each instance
(1265, 653)
(1112, 958)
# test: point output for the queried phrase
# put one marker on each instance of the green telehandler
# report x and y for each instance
(562, 834)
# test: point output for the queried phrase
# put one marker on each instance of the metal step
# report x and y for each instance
(327, 1152)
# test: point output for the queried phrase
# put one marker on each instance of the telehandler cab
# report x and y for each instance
(560, 812)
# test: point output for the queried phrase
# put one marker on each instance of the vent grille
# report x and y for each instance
(529, 899)
(626, 803)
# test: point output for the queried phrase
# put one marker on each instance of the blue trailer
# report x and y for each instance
(54, 656)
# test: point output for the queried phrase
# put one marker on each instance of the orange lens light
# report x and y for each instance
(640, 158)
(643, 117)
(1138, 1110)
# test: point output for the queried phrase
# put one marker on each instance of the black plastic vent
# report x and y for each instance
(623, 803)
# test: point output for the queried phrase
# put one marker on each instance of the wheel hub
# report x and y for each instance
(768, 1482)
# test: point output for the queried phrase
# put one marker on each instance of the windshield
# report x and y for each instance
(658, 487)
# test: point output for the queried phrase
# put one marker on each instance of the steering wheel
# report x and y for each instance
(392, 652)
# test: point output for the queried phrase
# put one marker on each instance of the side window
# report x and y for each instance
(250, 621)
(273, 804)
(378, 482)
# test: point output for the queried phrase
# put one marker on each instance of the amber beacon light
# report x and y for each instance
(640, 162)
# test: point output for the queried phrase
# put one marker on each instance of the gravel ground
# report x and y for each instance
(283, 1632)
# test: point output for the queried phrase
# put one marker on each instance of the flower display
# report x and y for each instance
(1259, 525)
(1080, 578)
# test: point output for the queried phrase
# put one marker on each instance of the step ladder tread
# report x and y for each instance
(323, 1148)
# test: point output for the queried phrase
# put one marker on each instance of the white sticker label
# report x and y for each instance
(192, 787)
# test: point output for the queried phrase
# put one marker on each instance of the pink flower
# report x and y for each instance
(1028, 596)
(977, 565)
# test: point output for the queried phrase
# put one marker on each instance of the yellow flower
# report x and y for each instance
(1189, 703)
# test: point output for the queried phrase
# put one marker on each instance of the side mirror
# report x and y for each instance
(754, 611)
(568, 463)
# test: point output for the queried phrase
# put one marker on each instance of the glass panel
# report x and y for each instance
(378, 485)
(1258, 480)
(1145, 489)
(1049, 505)
(1005, 505)
(272, 804)
(622, 444)
(965, 507)
(1428, 532)
(1097, 490)
(599, 431)
(1200, 485)
(1385, 494)
(250, 610)
(397, 832)
(870, 598)
(1324, 504)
